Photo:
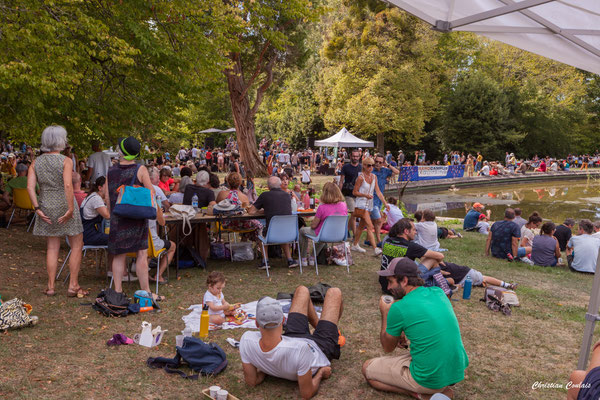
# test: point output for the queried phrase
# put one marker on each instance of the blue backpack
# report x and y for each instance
(202, 358)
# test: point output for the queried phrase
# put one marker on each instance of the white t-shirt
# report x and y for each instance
(90, 204)
(527, 233)
(182, 154)
(394, 214)
(158, 242)
(291, 358)
(194, 152)
(485, 170)
(217, 301)
(427, 235)
(483, 227)
(100, 162)
(305, 176)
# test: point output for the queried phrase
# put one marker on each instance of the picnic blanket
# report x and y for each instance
(192, 320)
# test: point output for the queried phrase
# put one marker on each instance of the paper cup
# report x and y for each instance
(179, 340)
(213, 391)
(222, 394)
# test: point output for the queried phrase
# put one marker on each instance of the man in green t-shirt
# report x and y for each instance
(425, 317)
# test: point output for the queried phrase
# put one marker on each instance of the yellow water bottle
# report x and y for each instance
(204, 317)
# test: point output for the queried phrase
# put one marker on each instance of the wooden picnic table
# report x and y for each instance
(205, 219)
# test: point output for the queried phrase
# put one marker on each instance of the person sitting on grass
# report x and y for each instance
(427, 231)
(582, 250)
(528, 233)
(218, 308)
(545, 250)
(472, 217)
(585, 385)
(503, 239)
(393, 214)
(457, 275)
(400, 243)
(294, 354)
(564, 232)
(483, 226)
(423, 315)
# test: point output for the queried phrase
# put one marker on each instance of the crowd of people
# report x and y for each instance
(77, 199)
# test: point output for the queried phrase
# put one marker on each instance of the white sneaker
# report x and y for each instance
(377, 252)
(527, 260)
(357, 248)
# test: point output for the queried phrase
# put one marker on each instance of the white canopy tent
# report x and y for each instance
(211, 130)
(343, 139)
(564, 30)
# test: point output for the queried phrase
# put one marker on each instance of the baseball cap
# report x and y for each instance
(130, 147)
(482, 216)
(478, 205)
(403, 266)
(268, 313)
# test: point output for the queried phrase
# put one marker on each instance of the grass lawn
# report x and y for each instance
(65, 355)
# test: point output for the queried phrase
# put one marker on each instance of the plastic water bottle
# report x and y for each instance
(467, 288)
(195, 201)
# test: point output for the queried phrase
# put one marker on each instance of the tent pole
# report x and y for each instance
(590, 319)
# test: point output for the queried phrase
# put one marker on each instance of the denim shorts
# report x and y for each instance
(375, 212)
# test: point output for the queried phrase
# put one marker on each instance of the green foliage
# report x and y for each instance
(103, 69)
(380, 73)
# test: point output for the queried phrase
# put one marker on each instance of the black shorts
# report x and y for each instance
(167, 245)
(325, 335)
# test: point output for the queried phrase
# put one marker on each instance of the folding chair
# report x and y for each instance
(84, 249)
(283, 229)
(333, 230)
(152, 253)
(21, 201)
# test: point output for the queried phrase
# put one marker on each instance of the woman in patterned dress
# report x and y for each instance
(128, 235)
(55, 207)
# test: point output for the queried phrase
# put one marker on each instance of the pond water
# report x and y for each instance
(554, 200)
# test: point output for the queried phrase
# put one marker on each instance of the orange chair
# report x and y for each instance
(152, 253)
(21, 201)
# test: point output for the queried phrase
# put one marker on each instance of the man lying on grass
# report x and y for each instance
(296, 355)
(423, 315)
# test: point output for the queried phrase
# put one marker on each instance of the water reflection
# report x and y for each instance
(553, 200)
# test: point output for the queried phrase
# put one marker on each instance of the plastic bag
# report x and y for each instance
(242, 251)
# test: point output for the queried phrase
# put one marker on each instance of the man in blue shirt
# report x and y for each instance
(503, 239)
(382, 171)
(472, 217)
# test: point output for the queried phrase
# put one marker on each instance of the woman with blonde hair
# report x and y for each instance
(332, 202)
(364, 187)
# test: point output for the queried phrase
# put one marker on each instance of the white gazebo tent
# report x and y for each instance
(343, 139)
(563, 30)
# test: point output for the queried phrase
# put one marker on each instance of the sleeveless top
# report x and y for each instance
(542, 252)
(126, 235)
(53, 200)
(366, 188)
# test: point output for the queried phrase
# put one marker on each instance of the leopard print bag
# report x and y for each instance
(15, 314)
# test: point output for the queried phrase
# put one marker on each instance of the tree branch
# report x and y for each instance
(258, 67)
(260, 92)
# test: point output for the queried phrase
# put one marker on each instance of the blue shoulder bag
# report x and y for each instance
(135, 202)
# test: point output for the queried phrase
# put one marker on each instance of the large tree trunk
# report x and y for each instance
(380, 143)
(243, 116)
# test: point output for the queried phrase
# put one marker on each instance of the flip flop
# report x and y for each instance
(156, 297)
(79, 292)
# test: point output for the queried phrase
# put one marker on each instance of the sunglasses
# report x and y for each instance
(369, 165)
(378, 162)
